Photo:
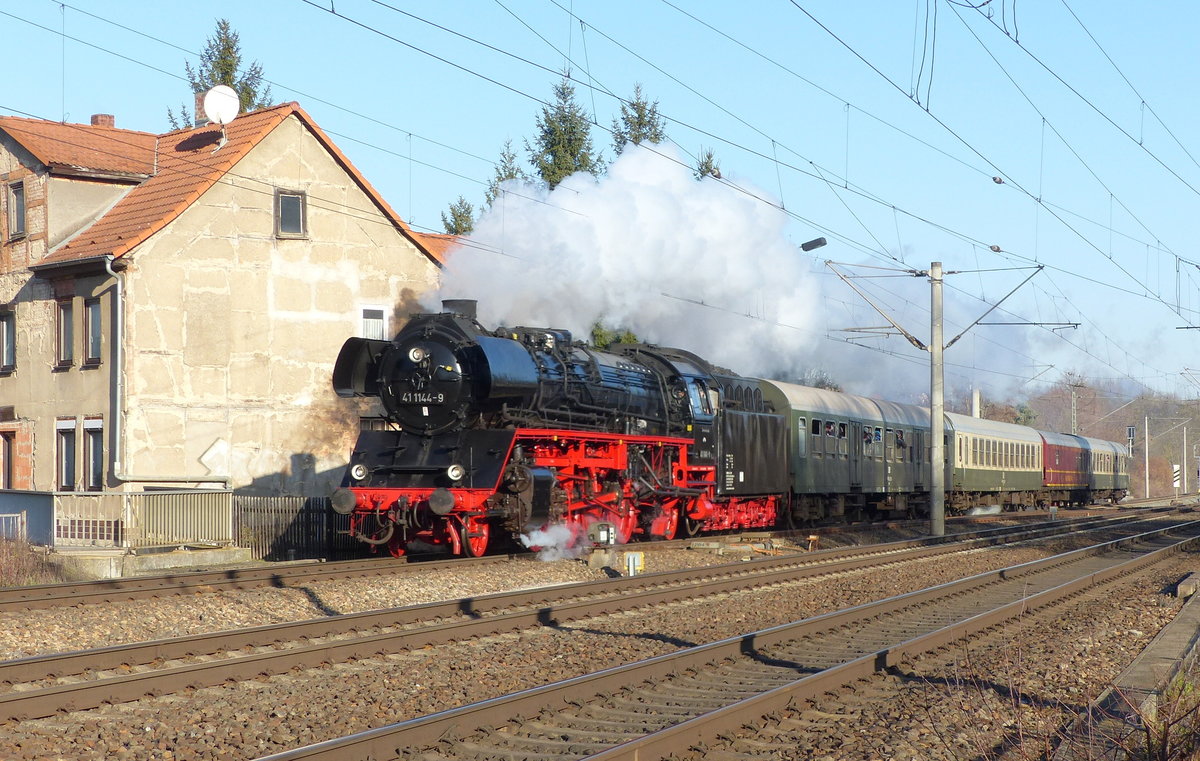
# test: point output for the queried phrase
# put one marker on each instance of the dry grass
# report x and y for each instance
(20, 566)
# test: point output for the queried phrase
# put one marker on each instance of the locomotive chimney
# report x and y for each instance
(465, 307)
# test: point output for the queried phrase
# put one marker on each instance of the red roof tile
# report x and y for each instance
(187, 166)
(84, 147)
(438, 244)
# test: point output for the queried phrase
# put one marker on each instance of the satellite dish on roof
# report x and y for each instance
(221, 104)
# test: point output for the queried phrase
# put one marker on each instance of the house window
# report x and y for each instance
(290, 214)
(8, 342)
(93, 453)
(65, 351)
(92, 324)
(65, 454)
(8, 447)
(372, 323)
(16, 210)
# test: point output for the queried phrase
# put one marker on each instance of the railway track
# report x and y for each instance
(192, 582)
(45, 685)
(143, 587)
(693, 702)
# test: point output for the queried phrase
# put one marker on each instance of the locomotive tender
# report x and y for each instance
(492, 434)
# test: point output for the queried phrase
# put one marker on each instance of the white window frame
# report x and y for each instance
(93, 326)
(16, 209)
(93, 454)
(8, 341)
(383, 321)
(64, 333)
(66, 455)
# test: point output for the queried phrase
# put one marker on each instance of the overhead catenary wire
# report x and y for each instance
(891, 207)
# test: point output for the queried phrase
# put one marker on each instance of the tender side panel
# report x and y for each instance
(752, 453)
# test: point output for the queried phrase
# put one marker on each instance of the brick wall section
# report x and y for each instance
(22, 453)
(18, 254)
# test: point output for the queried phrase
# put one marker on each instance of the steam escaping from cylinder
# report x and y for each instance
(986, 510)
(553, 543)
(694, 264)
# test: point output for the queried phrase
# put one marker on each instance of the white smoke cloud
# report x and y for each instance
(554, 543)
(609, 248)
(986, 510)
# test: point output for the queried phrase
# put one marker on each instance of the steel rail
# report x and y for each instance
(447, 727)
(189, 582)
(410, 627)
(292, 575)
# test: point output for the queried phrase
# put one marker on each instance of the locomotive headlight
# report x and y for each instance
(343, 501)
(358, 471)
(417, 354)
(456, 472)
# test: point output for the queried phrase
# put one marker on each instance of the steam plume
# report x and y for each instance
(610, 248)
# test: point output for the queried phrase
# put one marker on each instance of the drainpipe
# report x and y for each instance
(117, 396)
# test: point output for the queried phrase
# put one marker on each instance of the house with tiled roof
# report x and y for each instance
(171, 305)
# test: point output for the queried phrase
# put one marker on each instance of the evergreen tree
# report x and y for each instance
(707, 166)
(563, 144)
(639, 122)
(507, 169)
(221, 64)
(462, 217)
(604, 336)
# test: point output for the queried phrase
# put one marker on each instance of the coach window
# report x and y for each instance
(816, 432)
(801, 437)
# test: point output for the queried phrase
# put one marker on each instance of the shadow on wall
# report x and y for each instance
(300, 479)
(286, 515)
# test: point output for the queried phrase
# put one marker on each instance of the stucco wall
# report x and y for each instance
(76, 203)
(38, 390)
(233, 332)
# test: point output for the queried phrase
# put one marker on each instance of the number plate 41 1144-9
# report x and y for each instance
(418, 397)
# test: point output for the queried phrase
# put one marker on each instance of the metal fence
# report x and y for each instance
(134, 520)
(273, 528)
(14, 527)
(292, 528)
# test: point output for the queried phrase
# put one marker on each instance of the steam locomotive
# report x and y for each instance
(492, 434)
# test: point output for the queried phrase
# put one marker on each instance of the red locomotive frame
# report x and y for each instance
(642, 485)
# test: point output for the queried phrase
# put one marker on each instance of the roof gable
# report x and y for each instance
(84, 148)
(188, 164)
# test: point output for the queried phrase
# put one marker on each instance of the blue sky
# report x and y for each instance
(877, 125)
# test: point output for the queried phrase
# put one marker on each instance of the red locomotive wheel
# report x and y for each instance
(475, 535)
(666, 524)
(626, 524)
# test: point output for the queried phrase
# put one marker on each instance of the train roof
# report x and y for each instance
(1084, 442)
(1101, 445)
(840, 404)
(983, 427)
(1062, 439)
